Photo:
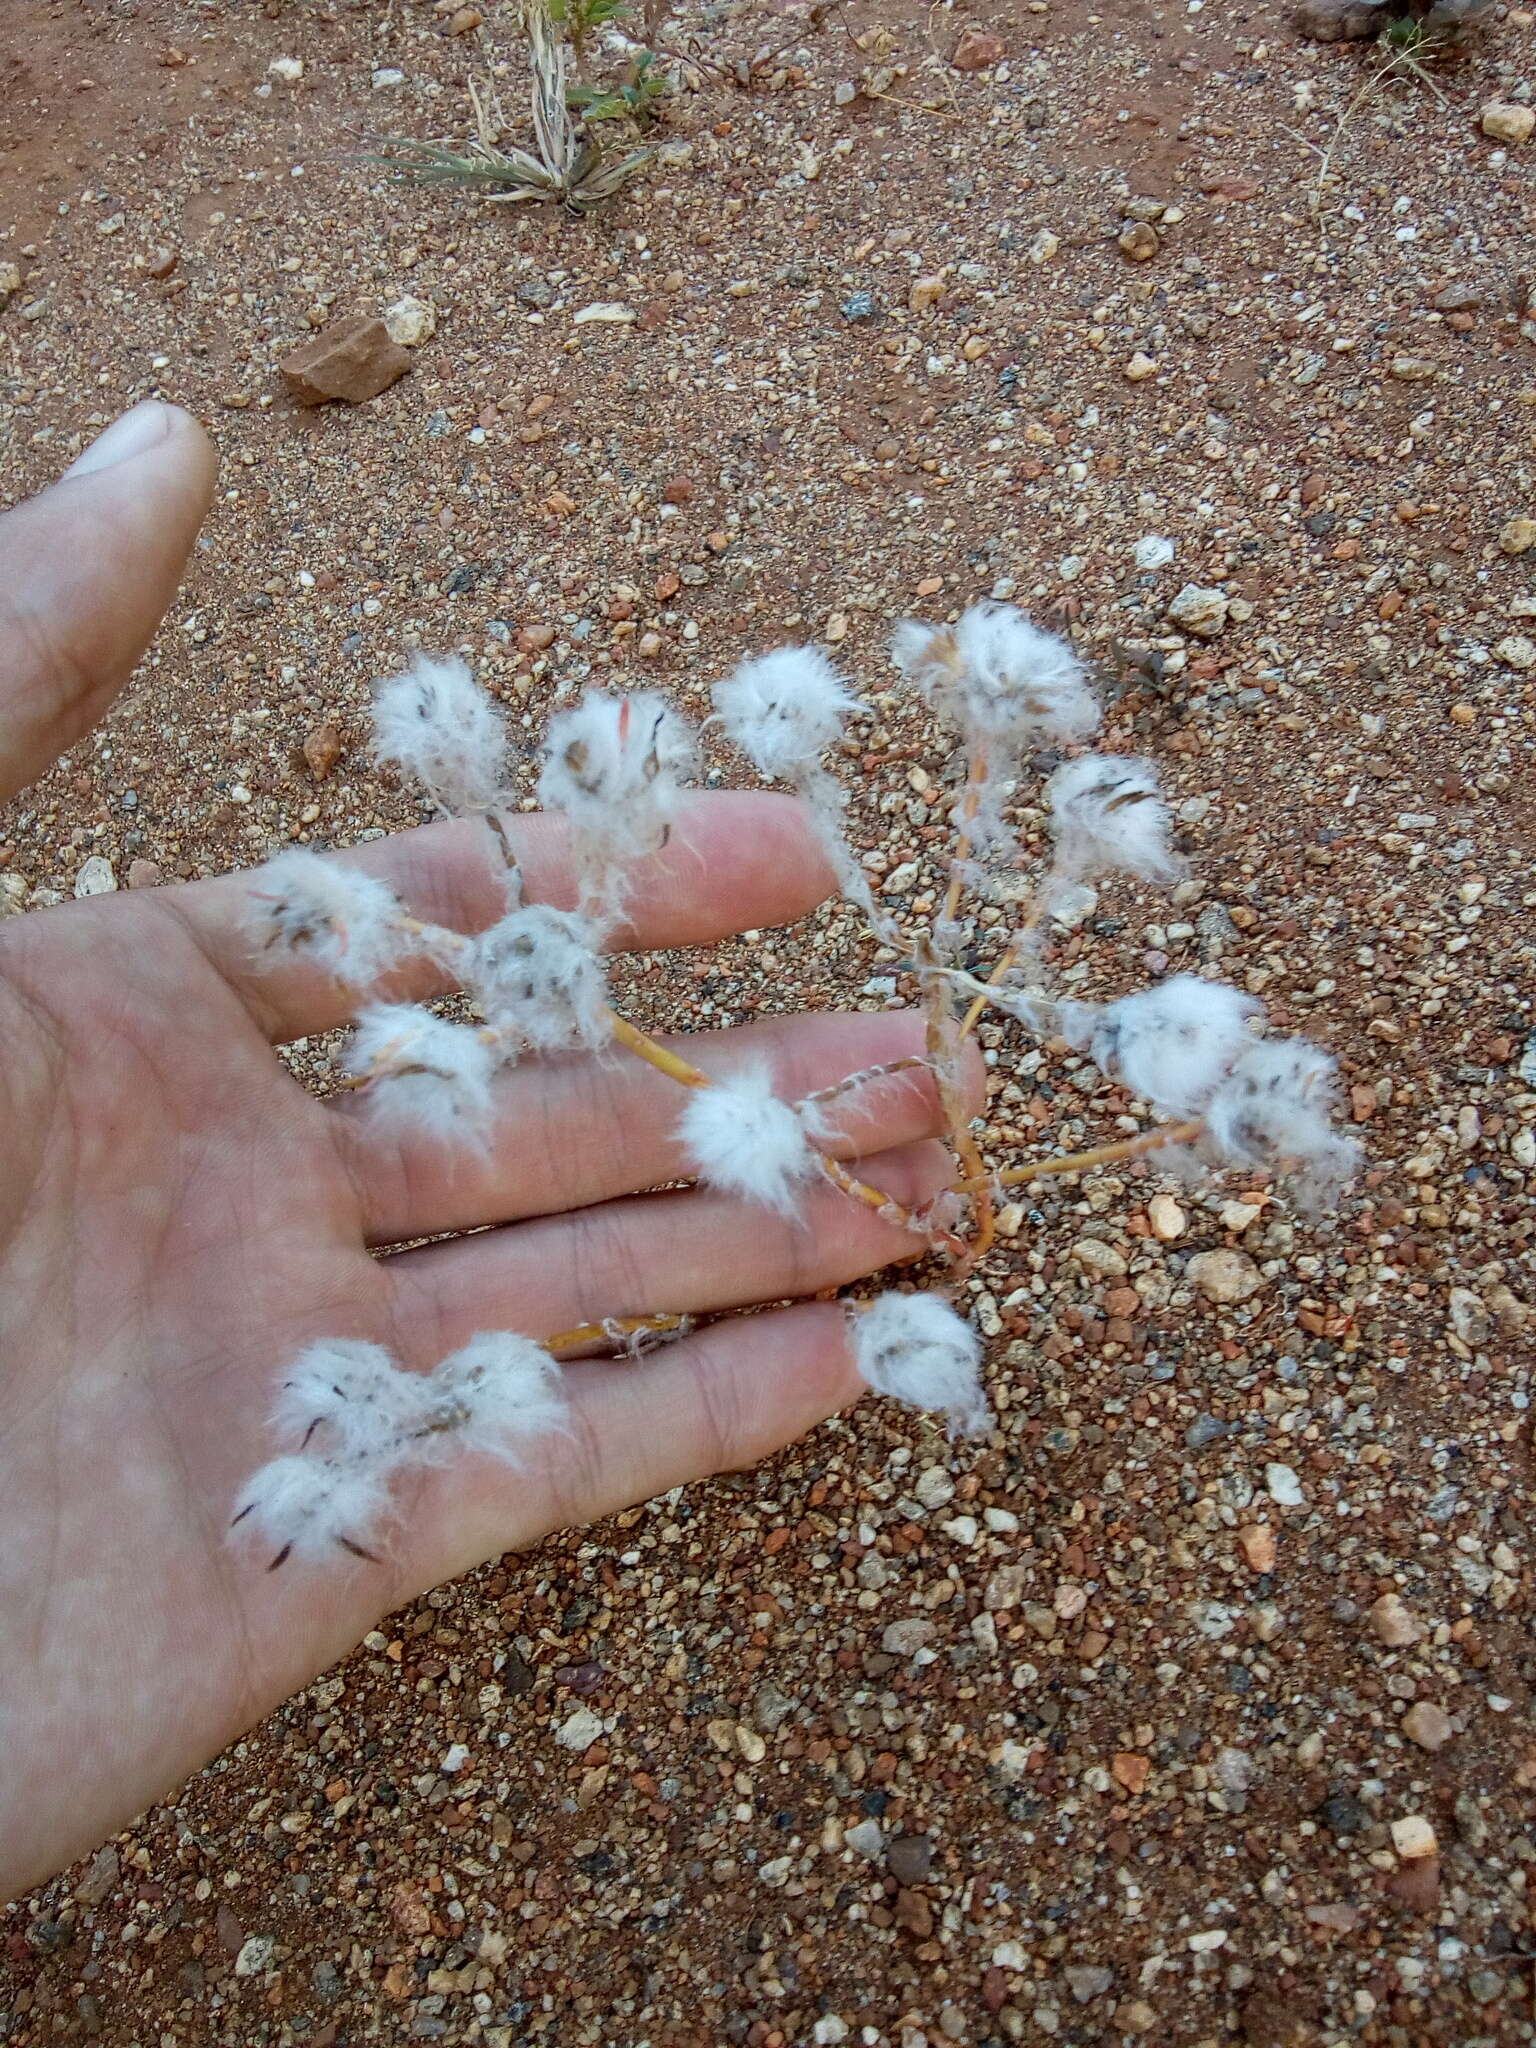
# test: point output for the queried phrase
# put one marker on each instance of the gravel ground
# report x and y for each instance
(1197, 1705)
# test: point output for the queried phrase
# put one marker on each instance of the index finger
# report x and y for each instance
(735, 861)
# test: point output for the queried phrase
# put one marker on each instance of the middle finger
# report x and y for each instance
(687, 1252)
(580, 1130)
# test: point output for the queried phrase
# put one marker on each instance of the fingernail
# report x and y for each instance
(139, 429)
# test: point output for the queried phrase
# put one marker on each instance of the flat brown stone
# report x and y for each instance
(352, 359)
(977, 50)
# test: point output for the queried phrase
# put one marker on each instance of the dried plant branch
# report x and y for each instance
(1007, 961)
(688, 1076)
(629, 1332)
(1082, 1162)
(614, 767)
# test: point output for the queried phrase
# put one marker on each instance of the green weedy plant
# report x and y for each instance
(566, 162)
(582, 19)
(1402, 53)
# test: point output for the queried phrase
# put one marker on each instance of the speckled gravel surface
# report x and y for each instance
(1197, 1705)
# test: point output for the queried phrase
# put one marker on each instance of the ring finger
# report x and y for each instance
(691, 1252)
(582, 1130)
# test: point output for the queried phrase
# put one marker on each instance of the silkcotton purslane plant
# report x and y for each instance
(349, 1419)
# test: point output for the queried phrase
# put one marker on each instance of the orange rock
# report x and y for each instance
(322, 749)
(409, 1911)
(1131, 1771)
(352, 360)
(977, 50)
(913, 1914)
(1363, 1102)
(1416, 1886)
(1257, 1543)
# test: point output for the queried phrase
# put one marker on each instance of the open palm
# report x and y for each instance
(178, 1217)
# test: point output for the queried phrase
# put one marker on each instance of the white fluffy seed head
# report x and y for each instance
(1173, 1044)
(498, 1393)
(1274, 1112)
(309, 1508)
(424, 1072)
(614, 766)
(744, 1139)
(354, 1392)
(437, 724)
(334, 916)
(784, 709)
(536, 976)
(915, 1349)
(1003, 680)
(1108, 815)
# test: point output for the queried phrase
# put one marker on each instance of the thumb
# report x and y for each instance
(86, 572)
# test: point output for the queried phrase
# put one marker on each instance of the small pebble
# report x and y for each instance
(1392, 1623)
(1427, 1725)
(1413, 1836)
(1257, 1541)
(579, 1730)
(96, 877)
(410, 322)
(1283, 1486)
(1225, 1276)
(1200, 611)
(1167, 1219)
(1508, 121)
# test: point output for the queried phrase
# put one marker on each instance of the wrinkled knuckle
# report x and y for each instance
(44, 672)
(579, 1479)
(723, 1444)
(607, 1276)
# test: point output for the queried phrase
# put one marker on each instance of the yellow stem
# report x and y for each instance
(962, 855)
(657, 1056)
(1010, 955)
(943, 1047)
(1101, 1155)
(654, 1055)
(443, 939)
(885, 1206)
(620, 1326)
(869, 1075)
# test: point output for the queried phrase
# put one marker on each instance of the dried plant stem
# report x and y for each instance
(1008, 961)
(970, 804)
(615, 1330)
(866, 1075)
(665, 1062)
(1398, 63)
(945, 1040)
(944, 1056)
(440, 940)
(887, 1208)
(1080, 1162)
(645, 1047)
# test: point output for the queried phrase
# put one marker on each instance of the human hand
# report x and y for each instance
(179, 1217)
